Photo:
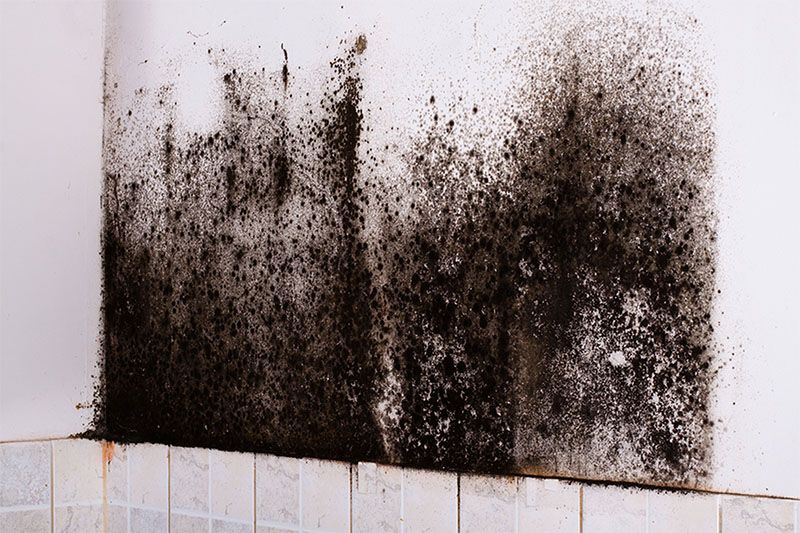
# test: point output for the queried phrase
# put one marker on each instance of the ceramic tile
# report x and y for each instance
(614, 509)
(765, 515)
(149, 479)
(277, 490)
(117, 475)
(430, 501)
(325, 495)
(78, 519)
(77, 472)
(25, 473)
(268, 529)
(117, 519)
(148, 521)
(29, 521)
(377, 498)
(189, 483)
(231, 476)
(681, 511)
(487, 503)
(180, 523)
(548, 505)
(226, 526)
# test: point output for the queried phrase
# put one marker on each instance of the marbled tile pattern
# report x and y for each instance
(325, 493)
(98, 487)
(688, 513)
(377, 498)
(488, 503)
(613, 509)
(137, 485)
(78, 472)
(25, 472)
(25, 486)
(277, 491)
(430, 501)
(742, 515)
(548, 505)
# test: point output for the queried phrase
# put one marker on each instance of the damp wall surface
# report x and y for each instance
(406, 52)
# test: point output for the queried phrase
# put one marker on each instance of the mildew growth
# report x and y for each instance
(532, 294)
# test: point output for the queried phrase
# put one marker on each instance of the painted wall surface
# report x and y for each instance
(196, 93)
(51, 56)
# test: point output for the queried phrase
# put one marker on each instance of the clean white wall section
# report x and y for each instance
(51, 69)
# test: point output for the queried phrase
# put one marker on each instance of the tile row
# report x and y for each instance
(83, 486)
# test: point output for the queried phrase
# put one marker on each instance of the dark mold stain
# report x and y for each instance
(534, 294)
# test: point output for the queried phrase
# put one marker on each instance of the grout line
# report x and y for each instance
(516, 506)
(43, 439)
(580, 508)
(402, 500)
(719, 514)
(169, 489)
(255, 521)
(27, 507)
(458, 502)
(350, 489)
(128, 457)
(52, 488)
(300, 493)
(646, 512)
(208, 505)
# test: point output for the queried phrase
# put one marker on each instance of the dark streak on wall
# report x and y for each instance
(531, 296)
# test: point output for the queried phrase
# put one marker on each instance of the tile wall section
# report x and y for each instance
(82, 486)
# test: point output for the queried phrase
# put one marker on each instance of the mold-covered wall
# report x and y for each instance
(529, 286)
(489, 248)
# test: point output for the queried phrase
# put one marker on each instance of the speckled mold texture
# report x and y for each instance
(526, 287)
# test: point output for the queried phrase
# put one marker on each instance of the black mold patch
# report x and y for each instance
(534, 294)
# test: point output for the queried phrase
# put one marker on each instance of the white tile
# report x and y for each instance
(31, 521)
(681, 511)
(430, 501)
(277, 490)
(614, 509)
(377, 498)
(548, 505)
(189, 484)
(227, 526)
(180, 523)
(765, 515)
(116, 457)
(487, 503)
(325, 495)
(268, 529)
(24, 473)
(78, 519)
(117, 519)
(77, 472)
(231, 475)
(148, 521)
(149, 479)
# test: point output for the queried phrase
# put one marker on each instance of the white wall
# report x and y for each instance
(757, 70)
(51, 68)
